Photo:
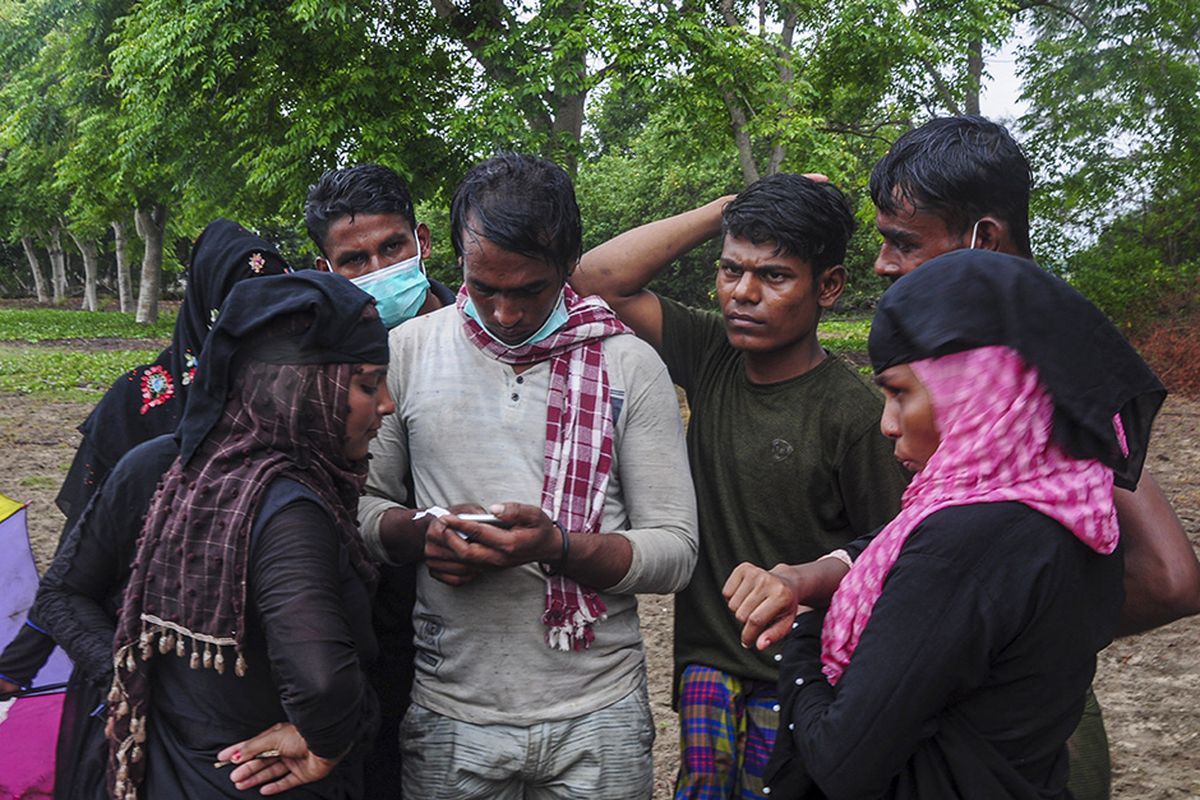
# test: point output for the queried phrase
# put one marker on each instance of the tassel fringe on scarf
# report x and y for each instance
(207, 652)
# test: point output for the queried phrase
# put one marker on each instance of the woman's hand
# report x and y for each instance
(764, 601)
(295, 765)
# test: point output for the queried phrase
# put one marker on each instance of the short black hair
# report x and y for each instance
(523, 204)
(801, 217)
(958, 168)
(361, 189)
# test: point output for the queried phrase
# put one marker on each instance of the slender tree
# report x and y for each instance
(151, 222)
(90, 253)
(121, 252)
(35, 265)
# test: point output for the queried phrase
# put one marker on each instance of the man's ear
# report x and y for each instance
(830, 286)
(321, 264)
(425, 239)
(992, 234)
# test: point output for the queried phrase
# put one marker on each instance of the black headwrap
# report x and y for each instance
(338, 334)
(975, 298)
(271, 400)
(148, 400)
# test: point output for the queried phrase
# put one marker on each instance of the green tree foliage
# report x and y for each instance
(534, 64)
(169, 113)
(804, 80)
(248, 102)
(33, 127)
(1114, 132)
(647, 167)
(158, 115)
(760, 87)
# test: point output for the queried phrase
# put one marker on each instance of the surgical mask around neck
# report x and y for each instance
(557, 318)
(399, 290)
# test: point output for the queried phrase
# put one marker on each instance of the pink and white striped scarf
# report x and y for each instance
(579, 444)
(995, 423)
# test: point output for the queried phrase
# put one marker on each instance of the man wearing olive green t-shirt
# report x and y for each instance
(784, 442)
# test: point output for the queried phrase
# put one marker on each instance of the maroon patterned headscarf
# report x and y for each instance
(262, 420)
(187, 592)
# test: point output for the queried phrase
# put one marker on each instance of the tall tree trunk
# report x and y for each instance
(124, 282)
(974, 76)
(570, 90)
(737, 121)
(737, 112)
(150, 223)
(39, 278)
(87, 249)
(786, 75)
(566, 131)
(58, 265)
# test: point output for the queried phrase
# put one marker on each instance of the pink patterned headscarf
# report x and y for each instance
(995, 422)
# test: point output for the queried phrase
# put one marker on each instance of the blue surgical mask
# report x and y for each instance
(557, 318)
(399, 290)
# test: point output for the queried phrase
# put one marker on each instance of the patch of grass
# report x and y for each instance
(41, 324)
(38, 482)
(845, 333)
(65, 375)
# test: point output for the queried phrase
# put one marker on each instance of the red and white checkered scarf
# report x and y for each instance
(995, 420)
(579, 444)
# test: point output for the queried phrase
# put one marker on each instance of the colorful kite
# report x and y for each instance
(28, 723)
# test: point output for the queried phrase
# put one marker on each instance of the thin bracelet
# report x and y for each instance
(549, 570)
(839, 555)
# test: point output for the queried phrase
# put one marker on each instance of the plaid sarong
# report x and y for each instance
(727, 727)
(579, 444)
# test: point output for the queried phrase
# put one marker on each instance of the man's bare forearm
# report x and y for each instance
(1162, 575)
(402, 536)
(598, 560)
(814, 583)
(622, 266)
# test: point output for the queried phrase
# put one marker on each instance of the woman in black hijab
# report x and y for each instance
(248, 602)
(148, 400)
(956, 652)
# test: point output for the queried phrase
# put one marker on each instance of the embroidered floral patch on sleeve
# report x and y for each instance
(189, 365)
(157, 387)
(257, 262)
(212, 316)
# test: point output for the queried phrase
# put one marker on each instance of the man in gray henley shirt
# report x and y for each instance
(530, 675)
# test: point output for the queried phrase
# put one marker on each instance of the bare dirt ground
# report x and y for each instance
(1149, 685)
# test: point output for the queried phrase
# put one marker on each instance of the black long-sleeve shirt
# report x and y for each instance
(79, 595)
(970, 674)
(307, 634)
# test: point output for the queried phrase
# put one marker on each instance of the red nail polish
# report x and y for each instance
(237, 755)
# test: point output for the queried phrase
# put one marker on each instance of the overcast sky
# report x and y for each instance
(998, 98)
